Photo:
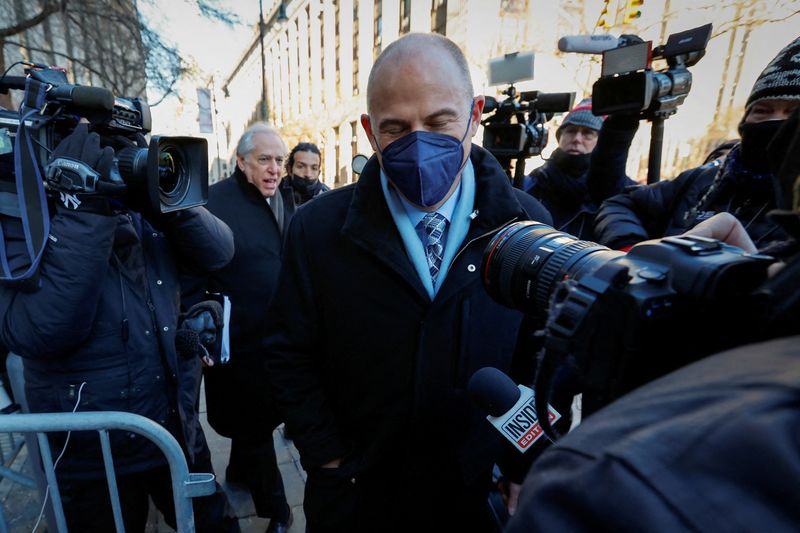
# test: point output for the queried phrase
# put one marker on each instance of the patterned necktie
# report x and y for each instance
(434, 225)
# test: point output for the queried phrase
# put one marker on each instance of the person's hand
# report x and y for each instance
(726, 228)
(83, 172)
(333, 464)
(510, 492)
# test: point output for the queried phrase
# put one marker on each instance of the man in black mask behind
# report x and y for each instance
(587, 167)
(303, 169)
(743, 185)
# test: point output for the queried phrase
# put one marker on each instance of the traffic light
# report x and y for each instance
(632, 11)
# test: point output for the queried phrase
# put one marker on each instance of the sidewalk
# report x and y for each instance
(294, 478)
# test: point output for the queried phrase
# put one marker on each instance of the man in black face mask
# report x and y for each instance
(303, 168)
(587, 167)
(743, 185)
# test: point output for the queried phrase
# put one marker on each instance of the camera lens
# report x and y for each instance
(525, 261)
(173, 178)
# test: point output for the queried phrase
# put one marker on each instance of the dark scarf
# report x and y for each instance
(565, 175)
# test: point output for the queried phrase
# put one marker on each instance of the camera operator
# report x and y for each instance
(303, 169)
(97, 333)
(587, 167)
(742, 185)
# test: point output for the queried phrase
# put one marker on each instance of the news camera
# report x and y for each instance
(515, 128)
(629, 85)
(168, 175)
(618, 321)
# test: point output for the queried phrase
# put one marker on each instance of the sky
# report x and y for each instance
(212, 45)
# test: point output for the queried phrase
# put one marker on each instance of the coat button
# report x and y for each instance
(147, 332)
(155, 234)
(471, 268)
(159, 282)
(166, 328)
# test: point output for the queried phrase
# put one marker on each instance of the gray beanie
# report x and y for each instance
(581, 115)
(781, 78)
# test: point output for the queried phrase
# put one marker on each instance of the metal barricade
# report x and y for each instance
(185, 485)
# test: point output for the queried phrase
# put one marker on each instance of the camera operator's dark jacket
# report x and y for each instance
(106, 314)
(365, 366)
(672, 207)
(573, 200)
(710, 447)
(235, 393)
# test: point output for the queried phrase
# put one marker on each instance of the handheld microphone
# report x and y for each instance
(511, 407)
(588, 44)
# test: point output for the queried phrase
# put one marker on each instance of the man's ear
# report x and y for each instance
(367, 125)
(477, 110)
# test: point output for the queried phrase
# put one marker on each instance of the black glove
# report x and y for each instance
(199, 332)
(83, 173)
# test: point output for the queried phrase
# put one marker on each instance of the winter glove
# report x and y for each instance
(83, 173)
(199, 332)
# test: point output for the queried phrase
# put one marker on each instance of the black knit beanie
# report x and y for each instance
(781, 78)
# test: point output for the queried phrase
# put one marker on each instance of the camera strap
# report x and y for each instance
(31, 196)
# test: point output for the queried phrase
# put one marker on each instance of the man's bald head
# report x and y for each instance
(411, 48)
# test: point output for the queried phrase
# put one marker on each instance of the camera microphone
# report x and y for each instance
(588, 44)
(511, 407)
(83, 97)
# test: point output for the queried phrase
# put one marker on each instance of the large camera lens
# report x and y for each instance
(173, 176)
(525, 261)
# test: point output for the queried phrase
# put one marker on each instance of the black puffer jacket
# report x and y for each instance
(672, 207)
(105, 314)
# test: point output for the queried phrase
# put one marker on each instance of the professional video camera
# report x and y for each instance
(628, 83)
(169, 175)
(620, 320)
(516, 127)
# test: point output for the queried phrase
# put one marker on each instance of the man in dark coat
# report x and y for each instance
(381, 317)
(587, 167)
(97, 333)
(741, 185)
(257, 205)
(303, 169)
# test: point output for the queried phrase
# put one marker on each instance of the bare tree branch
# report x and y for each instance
(49, 7)
(84, 64)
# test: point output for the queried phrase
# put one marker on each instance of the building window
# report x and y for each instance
(405, 16)
(355, 47)
(337, 142)
(336, 46)
(354, 139)
(439, 16)
(323, 74)
(377, 29)
(513, 7)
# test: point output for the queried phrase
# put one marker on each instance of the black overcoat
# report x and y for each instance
(237, 400)
(364, 365)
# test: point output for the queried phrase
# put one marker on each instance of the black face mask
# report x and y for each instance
(575, 165)
(302, 184)
(755, 138)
